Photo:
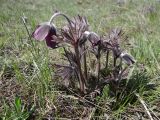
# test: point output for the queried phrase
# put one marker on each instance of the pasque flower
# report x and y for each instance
(92, 37)
(128, 59)
(47, 31)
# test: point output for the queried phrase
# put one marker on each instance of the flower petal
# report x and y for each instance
(51, 43)
(128, 59)
(41, 31)
(50, 38)
(93, 38)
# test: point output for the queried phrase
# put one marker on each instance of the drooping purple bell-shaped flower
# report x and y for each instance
(128, 59)
(46, 31)
(92, 37)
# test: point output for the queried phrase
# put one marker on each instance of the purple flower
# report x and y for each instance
(92, 37)
(46, 31)
(128, 59)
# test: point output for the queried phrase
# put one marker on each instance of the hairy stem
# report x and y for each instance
(59, 14)
(107, 59)
(80, 75)
(114, 61)
(85, 65)
(76, 73)
(98, 67)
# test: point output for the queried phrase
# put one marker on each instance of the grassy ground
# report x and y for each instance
(26, 72)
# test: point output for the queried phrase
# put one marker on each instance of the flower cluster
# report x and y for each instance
(83, 49)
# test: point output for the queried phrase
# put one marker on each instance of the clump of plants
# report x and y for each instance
(92, 60)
